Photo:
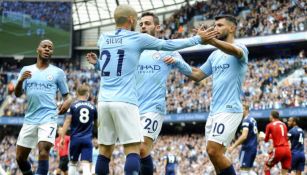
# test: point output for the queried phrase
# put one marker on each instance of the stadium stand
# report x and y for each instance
(255, 18)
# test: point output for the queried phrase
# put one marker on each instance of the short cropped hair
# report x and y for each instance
(229, 18)
(275, 114)
(83, 90)
(155, 17)
(296, 119)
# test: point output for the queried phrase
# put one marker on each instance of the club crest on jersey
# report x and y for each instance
(50, 77)
(156, 56)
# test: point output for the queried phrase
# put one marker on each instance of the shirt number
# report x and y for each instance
(282, 130)
(84, 115)
(121, 54)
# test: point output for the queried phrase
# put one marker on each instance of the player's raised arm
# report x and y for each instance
(238, 51)
(152, 43)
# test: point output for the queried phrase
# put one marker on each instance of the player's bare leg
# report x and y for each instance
(22, 154)
(284, 172)
(217, 157)
(43, 157)
(103, 160)
(132, 152)
(146, 160)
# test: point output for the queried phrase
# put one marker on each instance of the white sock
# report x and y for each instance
(243, 172)
(72, 169)
(86, 168)
(251, 172)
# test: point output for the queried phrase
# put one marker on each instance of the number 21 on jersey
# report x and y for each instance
(121, 54)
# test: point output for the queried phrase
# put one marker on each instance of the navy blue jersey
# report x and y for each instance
(83, 115)
(251, 140)
(296, 136)
(171, 162)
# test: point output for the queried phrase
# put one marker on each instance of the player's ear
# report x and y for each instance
(158, 28)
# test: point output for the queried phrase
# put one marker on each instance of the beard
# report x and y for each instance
(222, 36)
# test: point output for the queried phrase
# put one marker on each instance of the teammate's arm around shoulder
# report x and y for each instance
(229, 48)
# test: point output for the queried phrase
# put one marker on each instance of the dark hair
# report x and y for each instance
(229, 18)
(155, 17)
(295, 119)
(275, 114)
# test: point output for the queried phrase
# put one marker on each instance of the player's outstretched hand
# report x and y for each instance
(91, 58)
(25, 75)
(207, 34)
(230, 149)
(62, 108)
(261, 136)
(169, 60)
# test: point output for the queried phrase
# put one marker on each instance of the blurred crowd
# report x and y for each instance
(189, 150)
(265, 87)
(255, 17)
(55, 14)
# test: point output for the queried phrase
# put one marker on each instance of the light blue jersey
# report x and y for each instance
(152, 75)
(119, 57)
(41, 91)
(228, 73)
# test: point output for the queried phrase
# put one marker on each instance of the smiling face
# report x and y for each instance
(148, 26)
(45, 49)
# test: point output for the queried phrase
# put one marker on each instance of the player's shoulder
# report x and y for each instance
(28, 67)
(56, 69)
(299, 129)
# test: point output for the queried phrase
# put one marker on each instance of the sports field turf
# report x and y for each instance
(14, 40)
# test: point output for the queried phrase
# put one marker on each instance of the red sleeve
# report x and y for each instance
(267, 133)
(67, 139)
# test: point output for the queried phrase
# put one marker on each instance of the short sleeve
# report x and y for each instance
(62, 83)
(19, 76)
(245, 124)
(245, 52)
(207, 67)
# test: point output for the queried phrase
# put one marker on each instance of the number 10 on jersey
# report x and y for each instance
(121, 54)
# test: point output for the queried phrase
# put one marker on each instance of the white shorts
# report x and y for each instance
(152, 124)
(221, 128)
(31, 135)
(118, 120)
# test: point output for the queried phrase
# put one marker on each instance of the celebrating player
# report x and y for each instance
(277, 131)
(152, 75)
(296, 136)
(228, 66)
(81, 119)
(248, 139)
(40, 82)
(118, 113)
